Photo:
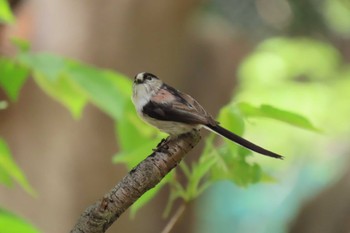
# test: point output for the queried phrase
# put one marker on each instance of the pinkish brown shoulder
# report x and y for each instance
(163, 96)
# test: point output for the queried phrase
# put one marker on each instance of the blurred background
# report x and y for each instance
(290, 54)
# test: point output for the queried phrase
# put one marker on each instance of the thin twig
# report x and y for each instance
(176, 217)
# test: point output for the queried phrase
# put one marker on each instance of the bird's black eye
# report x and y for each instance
(141, 77)
(149, 76)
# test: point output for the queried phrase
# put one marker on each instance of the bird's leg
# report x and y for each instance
(163, 141)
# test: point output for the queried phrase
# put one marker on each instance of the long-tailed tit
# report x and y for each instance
(175, 113)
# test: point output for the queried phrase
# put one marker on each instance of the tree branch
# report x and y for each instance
(98, 217)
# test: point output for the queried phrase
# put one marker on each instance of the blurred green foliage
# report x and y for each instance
(10, 223)
(6, 15)
(337, 16)
(9, 171)
(74, 85)
(274, 73)
(12, 77)
(299, 75)
(269, 111)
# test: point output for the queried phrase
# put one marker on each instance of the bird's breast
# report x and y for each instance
(140, 97)
(170, 127)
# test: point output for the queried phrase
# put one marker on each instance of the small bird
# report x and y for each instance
(175, 113)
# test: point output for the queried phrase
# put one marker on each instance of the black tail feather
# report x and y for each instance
(243, 142)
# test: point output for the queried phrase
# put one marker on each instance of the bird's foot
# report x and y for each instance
(162, 145)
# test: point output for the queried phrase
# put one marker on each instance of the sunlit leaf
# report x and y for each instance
(199, 171)
(269, 111)
(132, 131)
(133, 156)
(12, 77)
(177, 191)
(320, 59)
(6, 15)
(278, 60)
(231, 119)
(73, 83)
(107, 90)
(65, 91)
(228, 160)
(45, 65)
(238, 170)
(337, 14)
(10, 171)
(11, 223)
(50, 72)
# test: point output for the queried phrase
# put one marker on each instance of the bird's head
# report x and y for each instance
(146, 78)
(146, 84)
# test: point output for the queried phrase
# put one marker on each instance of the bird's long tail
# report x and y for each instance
(241, 141)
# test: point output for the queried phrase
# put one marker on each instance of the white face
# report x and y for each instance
(146, 78)
(144, 87)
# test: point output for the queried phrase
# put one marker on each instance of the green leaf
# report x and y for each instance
(177, 191)
(73, 83)
(135, 138)
(236, 168)
(231, 118)
(11, 223)
(150, 194)
(277, 60)
(21, 44)
(46, 65)
(6, 15)
(337, 15)
(199, 171)
(9, 170)
(12, 77)
(108, 90)
(51, 74)
(65, 91)
(227, 161)
(132, 131)
(269, 111)
(133, 156)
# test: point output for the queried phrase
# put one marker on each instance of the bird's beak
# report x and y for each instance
(137, 81)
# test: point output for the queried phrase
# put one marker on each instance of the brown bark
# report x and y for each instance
(101, 215)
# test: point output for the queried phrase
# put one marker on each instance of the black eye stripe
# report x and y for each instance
(145, 76)
(149, 76)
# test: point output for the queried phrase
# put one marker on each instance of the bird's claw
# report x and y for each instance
(162, 145)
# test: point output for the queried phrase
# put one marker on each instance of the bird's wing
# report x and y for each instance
(169, 104)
